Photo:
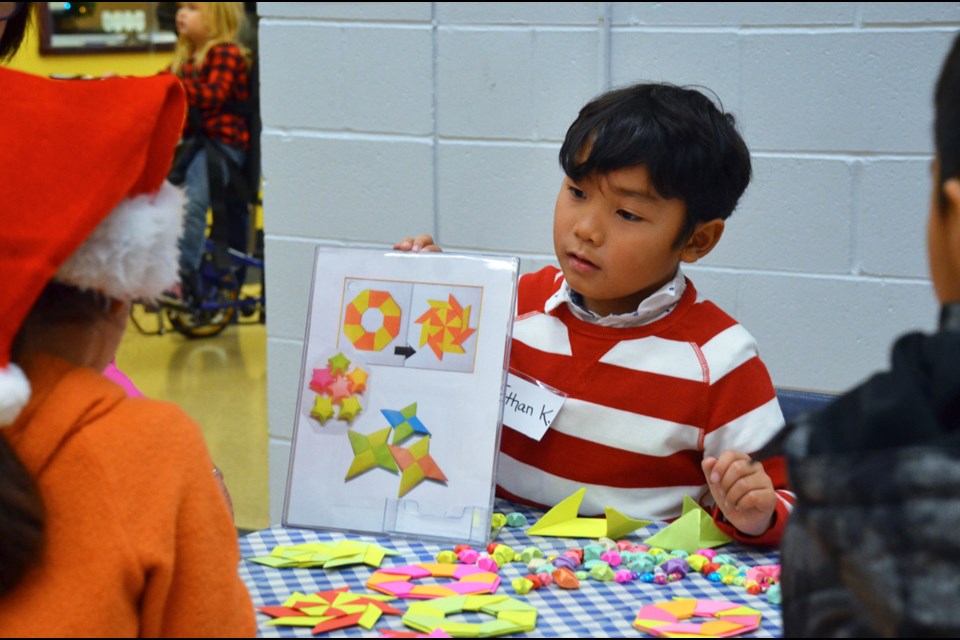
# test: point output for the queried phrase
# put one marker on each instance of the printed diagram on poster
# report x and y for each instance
(400, 399)
(406, 324)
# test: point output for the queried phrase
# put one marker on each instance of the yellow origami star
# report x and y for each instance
(322, 408)
(358, 380)
(349, 408)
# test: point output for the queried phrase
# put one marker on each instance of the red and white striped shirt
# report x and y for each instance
(645, 404)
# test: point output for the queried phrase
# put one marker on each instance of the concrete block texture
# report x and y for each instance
(910, 13)
(518, 13)
(284, 362)
(893, 205)
(338, 77)
(733, 14)
(858, 92)
(827, 333)
(365, 11)
(518, 84)
(701, 59)
(796, 215)
(278, 456)
(347, 188)
(288, 285)
(498, 197)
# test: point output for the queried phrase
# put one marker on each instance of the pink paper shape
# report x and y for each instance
(653, 612)
(711, 607)
(680, 627)
(401, 588)
(411, 570)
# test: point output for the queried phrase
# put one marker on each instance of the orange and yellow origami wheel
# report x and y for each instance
(389, 329)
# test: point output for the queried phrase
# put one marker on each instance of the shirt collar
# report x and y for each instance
(652, 308)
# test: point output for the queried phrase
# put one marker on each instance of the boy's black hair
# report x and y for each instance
(946, 129)
(691, 148)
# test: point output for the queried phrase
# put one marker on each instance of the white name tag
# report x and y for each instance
(530, 407)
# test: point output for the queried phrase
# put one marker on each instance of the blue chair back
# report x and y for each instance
(793, 402)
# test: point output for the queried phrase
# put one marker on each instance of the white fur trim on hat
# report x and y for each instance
(14, 393)
(133, 254)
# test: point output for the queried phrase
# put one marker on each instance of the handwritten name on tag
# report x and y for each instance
(530, 408)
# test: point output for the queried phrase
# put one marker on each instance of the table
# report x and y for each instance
(596, 609)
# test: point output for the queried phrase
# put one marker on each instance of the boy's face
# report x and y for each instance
(943, 237)
(615, 238)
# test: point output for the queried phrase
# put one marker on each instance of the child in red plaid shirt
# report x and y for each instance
(213, 68)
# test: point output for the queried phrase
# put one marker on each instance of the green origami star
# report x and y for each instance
(370, 451)
(339, 364)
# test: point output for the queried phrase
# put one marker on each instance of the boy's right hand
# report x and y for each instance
(418, 244)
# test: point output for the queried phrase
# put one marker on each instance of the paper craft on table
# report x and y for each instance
(512, 616)
(562, 521)
(325, 554)
(723, 619)
(329, 610)
(693, 530)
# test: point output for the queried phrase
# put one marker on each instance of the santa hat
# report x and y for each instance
(83, 196)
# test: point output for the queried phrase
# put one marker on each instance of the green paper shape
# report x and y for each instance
(338, 364)
(450, 604)
(526, 620)
(562, 521)
(421, 622)
(370, 451)
(693, 530)
(270, 561)
(499, 627)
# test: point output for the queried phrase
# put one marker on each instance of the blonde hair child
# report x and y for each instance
(217, 22)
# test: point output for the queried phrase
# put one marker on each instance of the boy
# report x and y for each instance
(871, 550)
(665, 391)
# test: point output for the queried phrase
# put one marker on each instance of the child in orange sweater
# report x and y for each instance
(110, 506)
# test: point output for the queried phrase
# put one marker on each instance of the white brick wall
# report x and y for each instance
(382, 119)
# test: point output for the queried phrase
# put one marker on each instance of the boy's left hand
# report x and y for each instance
(742, 490)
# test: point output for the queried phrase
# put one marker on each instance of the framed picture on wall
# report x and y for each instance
(106, 27)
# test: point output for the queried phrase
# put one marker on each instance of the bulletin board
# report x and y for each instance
(400, 393)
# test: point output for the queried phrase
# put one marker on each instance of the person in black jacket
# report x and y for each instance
(871, 548)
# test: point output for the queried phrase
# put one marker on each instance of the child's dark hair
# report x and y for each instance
(946, 130)
(691, 148)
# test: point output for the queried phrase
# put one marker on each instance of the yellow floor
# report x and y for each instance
(221, 381)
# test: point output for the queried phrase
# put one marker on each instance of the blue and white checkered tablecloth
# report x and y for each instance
(596, 609)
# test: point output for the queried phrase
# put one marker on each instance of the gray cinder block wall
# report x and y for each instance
(385, 119)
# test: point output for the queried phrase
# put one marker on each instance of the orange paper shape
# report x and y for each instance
(389, 329)
(416, 465)
(445, 326)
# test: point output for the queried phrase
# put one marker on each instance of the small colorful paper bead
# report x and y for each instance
(468, 556)
(565, 579)
(529, 554)
(447, 557)
(622, 576)
(522, 586)
(516, 520)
